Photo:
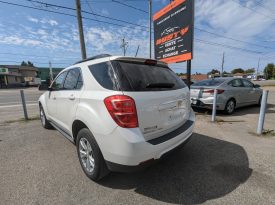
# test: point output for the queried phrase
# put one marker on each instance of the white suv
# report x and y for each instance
(121, 112)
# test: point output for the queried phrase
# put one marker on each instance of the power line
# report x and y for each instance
(66, 14)
(129, 6)
(227, 46)
(254, 10)
(86, 12)
(234, 39)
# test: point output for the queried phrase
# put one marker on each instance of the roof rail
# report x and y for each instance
(94, 57)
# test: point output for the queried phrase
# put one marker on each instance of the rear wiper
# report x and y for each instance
(160, 85)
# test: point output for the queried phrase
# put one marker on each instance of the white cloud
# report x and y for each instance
(105, 12)
(35, 20)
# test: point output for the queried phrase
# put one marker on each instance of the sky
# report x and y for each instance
(40, 36)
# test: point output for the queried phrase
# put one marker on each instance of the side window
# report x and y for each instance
(236, 83)
(104, 75)
(71, 81)
(58, 83)
(247, 84)
(79, 81)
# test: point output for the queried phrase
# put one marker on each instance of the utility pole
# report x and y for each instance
(124, 45)
(51, 72)
(150, 28)
(137, 51)
(222, 64)
(258, 68)
(80, 29)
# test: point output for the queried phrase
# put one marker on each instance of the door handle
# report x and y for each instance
(72, 97)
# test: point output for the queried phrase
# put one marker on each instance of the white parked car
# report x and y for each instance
(122, 113)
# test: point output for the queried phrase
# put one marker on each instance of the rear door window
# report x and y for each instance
(236, 83)
(247, 84)
(142, 77)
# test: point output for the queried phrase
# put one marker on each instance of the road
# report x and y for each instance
(11, 106)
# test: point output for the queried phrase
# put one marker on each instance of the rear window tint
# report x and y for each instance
(210, 82)
(141, 77)
(104, 75)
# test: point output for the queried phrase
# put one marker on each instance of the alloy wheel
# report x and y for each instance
(86, 155)
(42, 117)
(230, 106)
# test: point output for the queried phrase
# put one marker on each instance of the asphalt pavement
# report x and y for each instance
(222, 164)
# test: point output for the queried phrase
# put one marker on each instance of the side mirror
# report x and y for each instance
(43, 87)
(256, 86)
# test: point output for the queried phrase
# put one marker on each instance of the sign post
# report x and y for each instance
(173, 31)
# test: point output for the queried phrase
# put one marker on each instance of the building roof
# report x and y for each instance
(28, 68)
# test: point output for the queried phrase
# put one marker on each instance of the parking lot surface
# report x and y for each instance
(224, 163)
(220, 165)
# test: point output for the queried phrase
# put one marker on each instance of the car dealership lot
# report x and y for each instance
(222, 164)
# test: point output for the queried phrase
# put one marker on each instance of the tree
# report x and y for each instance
(30, 64)
(24, 63)
(269, 71)
(237, 70)
(250, 71)
(213, 71)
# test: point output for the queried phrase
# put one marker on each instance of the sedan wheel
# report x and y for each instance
(230, 107)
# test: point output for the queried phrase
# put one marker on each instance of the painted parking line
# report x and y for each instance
(19, 105)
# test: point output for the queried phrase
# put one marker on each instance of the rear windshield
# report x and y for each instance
(142, 77)
(210, 82)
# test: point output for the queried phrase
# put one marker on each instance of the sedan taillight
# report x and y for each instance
(219, 91)
(122, 109)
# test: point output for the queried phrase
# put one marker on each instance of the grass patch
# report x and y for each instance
(228, 121)
(23, 119)
(268, 133)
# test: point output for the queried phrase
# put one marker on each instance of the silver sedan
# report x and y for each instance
(232, 93)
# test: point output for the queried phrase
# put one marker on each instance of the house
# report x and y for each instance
(239, 75)
(195, 77)
(15, 75)
(10, 76)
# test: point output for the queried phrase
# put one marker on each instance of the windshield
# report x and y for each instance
(142, 77)
(209, 82)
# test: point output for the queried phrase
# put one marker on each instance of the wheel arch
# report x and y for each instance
(76, 127)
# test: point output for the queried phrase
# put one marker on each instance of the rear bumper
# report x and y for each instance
(208, 103)
(126, 149)
(126, 168)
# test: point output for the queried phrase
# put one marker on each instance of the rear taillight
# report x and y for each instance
(122, 108)
(219, 91)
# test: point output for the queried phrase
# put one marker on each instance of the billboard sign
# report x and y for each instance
(4, 71)
(173, 29)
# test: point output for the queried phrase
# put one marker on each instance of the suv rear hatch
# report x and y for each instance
(161, 98)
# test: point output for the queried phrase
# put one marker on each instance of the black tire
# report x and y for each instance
(230, 107)
(45, 123)
(100, 169)
(260, 101)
